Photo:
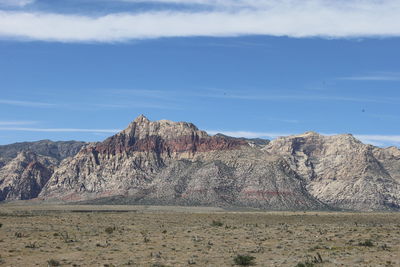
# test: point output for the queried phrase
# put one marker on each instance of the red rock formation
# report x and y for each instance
(145, 136)
(191, 144)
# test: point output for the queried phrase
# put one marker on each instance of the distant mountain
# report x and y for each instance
(175, 163)
(251, 141)
(26, 167)
(57, 150)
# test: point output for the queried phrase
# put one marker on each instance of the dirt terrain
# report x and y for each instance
(59, 235)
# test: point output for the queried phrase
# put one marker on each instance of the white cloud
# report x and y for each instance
(301, 97)
(308, 18)
(2, 123)
(213, 3)
(25, 103)
(62, 130)
(382, 76)
(379, 139)
(17, 3)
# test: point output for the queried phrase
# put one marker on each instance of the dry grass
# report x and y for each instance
(170, 236)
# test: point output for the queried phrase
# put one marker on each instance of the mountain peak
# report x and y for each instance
(165, 136)
(309, 133)
(141, 118)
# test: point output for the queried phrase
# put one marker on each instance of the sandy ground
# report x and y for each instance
(47, 235)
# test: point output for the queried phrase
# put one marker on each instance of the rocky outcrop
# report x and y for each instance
(24, 176)
(164, 137)
(26, 167)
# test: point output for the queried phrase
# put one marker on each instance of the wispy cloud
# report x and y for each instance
(61, 130)
(308, 18)
(379, 76)
(308, 97)
(90, 106)
(8, 123)
(282, 120)
(164, 106)
(219, 93)
(212, 3)
(17, 3)
(145, 93)
(25, 103)
(379, 139)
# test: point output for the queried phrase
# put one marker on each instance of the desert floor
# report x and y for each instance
(59, 235)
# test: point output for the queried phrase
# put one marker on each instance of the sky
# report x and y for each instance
(83, 70)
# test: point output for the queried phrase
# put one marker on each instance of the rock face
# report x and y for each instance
(343, 172)
(174, 163)
(26, 167)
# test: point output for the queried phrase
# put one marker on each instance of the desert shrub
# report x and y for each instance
(305, 264)
(366, 243)
(244, 260)
(384, 247)
(146, 238)
(109, 230)
(31, 245)
(67, 238)
(311, 261)
(53, 262)
(1, 225)
(159, 265)
(217, 223)
(18, 234)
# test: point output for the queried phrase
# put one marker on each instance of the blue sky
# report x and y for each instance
(84, 69)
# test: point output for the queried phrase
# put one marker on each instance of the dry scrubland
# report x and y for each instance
(171, 236)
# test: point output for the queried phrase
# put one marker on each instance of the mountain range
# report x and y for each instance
(175, 163)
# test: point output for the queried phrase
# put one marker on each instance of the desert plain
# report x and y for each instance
(155, 236)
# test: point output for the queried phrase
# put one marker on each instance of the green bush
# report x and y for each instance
(366, 243)
(305, 264)
(53, 262)
(217, 223)
(109, 230)
(244, 260)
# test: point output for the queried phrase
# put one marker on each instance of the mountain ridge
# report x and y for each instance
(175, 163)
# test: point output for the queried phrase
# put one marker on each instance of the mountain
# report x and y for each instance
(343, 172)
(57, 150)
(165, 162)
(175, 163)
(26, 167)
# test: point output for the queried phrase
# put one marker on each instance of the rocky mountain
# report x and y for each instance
(343, 172)
(26, 167)
(58, 150)
(164, 162)
(175, 163)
